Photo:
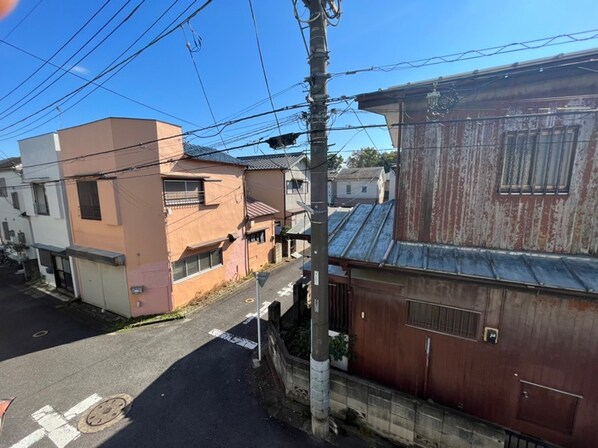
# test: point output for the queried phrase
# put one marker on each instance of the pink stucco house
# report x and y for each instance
(150, 239)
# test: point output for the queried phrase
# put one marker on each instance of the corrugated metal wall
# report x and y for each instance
(545, 340)
(450, 174)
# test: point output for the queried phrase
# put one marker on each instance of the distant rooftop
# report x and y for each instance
(302, 230)
(210, 154)
(274, 161)
(9, 163)
(365, 235)
(370, 173)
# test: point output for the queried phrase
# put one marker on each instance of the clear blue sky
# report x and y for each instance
(370, 33)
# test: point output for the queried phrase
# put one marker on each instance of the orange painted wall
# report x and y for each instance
(261, 253)
(221, 215)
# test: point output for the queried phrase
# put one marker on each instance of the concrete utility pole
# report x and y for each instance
(319, 394)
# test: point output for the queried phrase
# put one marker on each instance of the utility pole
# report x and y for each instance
(319, 394)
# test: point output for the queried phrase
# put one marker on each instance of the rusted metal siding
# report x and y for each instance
(450, 174)
(544, 340)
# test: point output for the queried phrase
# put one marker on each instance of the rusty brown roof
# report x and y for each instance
(257, 208)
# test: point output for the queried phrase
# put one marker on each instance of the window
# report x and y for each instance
(257, 237)
(15, 200)
(5, 230)
(443, 319)
(45, 258)
(348, 189)
(184, 192)
(364, 189)
(39, 198)
(297, 186)
(189, 266)
(538, 161)
(89, 200)
(3, 191)
(21, 238)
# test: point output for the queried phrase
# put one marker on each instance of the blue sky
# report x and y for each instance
(370, 33)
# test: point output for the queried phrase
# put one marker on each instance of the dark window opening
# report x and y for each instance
(5, 230)
(188, 266)
(297, 186)
(15, 200)
(184, 192)
(364, 189)
(21, 238)
(443, 319)
(45, 258)
(3, 189)
(89, 200)
(538, 161)
(257, 237)
(348, 189)
(40, 200)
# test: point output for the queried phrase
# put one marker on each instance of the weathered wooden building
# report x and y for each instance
(478, 288)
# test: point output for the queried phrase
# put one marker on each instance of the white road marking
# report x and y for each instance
(55, 426)
(251, 316)
(286, 291)
(32, 438)
(79, 408)
(242, 342)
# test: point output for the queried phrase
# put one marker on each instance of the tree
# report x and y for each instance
(367, 157)
(334, 162)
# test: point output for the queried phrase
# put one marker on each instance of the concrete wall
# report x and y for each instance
(374, 193)
(260, 254)
(392, 414)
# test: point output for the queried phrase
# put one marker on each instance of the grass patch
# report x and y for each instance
(148, 320)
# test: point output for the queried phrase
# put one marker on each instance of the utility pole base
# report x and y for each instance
(319, 394)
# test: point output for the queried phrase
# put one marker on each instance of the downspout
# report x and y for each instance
(245, 222)
(396, 234)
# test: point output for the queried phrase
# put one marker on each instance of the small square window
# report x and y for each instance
(364, 189)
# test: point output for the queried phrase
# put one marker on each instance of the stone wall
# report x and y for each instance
(392, 414)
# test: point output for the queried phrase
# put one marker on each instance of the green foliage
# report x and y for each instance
(334, 162)
(368, 157)
(340, 346)
(297, 339)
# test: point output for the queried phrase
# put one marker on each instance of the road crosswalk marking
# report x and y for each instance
(242, 342)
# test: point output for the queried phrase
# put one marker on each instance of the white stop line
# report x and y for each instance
(56, 426)
(242, 342)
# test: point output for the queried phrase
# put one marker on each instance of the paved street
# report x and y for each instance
(188, 378)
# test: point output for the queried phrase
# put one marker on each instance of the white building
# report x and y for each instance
(45, 204)
(359, 186)
(16, 234)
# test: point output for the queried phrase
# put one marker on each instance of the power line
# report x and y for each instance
(7, 35)
(535, 44)
(15, 106)
(127, 60)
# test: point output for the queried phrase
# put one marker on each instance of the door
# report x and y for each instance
(62, 273)
(105, 286)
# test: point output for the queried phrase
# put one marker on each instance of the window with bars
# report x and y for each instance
(184, 192)
(257, 237)
(188, 266)
(443, 319)
(538, 161)
(89, 200)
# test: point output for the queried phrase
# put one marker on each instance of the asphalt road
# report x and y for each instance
(189, 388)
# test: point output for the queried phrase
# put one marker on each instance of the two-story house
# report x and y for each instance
(359, 186)
(282, 181)
(46, 207)
(478, 287)
(16, 235)
(152, 227)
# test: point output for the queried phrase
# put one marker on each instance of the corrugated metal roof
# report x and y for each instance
(273, 162)
(369, 173)
(365, 235)
(257, 208)
(335, 218)
(206, 153)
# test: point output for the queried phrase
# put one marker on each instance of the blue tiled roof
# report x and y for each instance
(365, 235)
(274, 161)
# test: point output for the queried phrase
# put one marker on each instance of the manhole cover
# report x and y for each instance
(39, 334)
(250, 300)
(106, 413)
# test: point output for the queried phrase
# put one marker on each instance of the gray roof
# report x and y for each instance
(365, 235)
(209, 154)
(9, 163)
(360, 173)
(335, 218)
(274, 161)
